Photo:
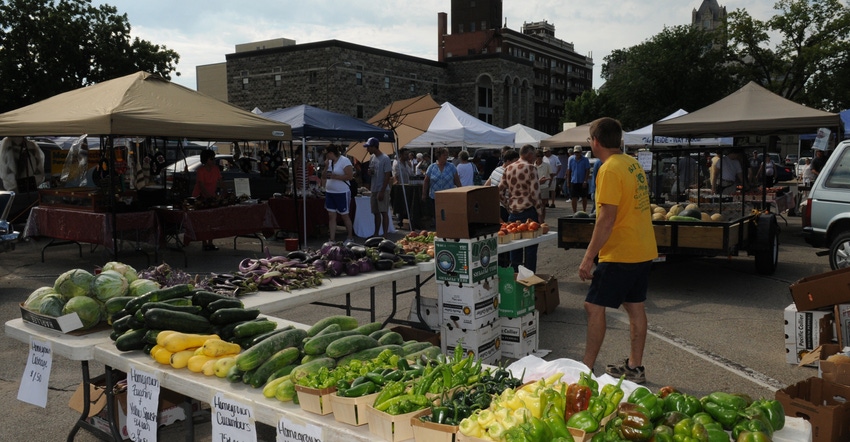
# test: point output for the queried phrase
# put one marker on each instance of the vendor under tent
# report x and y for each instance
(643, 137)
(139, 105)
(526, 135)
(311, 123)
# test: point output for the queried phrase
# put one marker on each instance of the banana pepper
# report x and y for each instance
(643, 397)
(613, 394)
(586, 380)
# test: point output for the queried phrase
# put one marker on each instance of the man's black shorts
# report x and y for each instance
(614, 283)
(577, 190)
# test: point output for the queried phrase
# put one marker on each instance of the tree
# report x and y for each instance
(806, 64)
(589, 106)
(679, 68)
(52, 46)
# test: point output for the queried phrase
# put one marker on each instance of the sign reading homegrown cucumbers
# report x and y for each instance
(232, 420)
(142, 405)
(33, 388)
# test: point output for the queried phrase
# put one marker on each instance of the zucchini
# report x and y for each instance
(332, 328)
(205, 298)
(253, 328)
(177, 291)
(162, 319)
(277, 361)
(224, 303)
(319, 344)
(193, 309)
(256, 339)
(114, 335)
(311, 367)
(122, 324)
(349, 344)
(415, 347)
(150, 336)
(226, 331)
(372, 353)
(256, 355)
(234, 374)
(366, 329)
(110, 319)
(131, 340)
(113, 305)
(231, 314)
(378, 333)
(391, 338)
(345, 323)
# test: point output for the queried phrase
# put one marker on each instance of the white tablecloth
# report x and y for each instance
(364, 220)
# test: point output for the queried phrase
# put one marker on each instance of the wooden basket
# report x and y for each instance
(352, 410)
(431, 432)
(504, 239)
(388, 427)
(315, 400)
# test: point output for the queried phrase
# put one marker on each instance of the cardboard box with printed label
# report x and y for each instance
(822, 291)
(467, 313)
(477, 292)
(842, 324)
(826, 405)
(547, 297)
(520, 335)
(804, 332)
(429, 309)
(467, 212)
(516, 298)
(484, 342)
(466, 261)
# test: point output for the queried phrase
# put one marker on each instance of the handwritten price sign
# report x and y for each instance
(33, 388)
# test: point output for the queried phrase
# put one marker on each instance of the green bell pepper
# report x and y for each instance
(634, 423)
(662, 433)
(774, 411)
(723, 407)
(704, 418)
(753, 420)
(716, 433)
(681, 402)
(598, 406)
(643, 397)
(586, 380)
(671, 418)
(750, 436)
(689, 431)
(583, 420)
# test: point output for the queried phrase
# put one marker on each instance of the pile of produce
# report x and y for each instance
(418, 242)
(78, 291)
(689, 213)
(552, 410)
(528, 225)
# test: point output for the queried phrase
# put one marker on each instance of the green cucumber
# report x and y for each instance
(281, 372)
(205, 298)
(256, 355)
(225, 332)
(131, 340)
(378, 333)
(256, 339)
(349, 344)
(162, 319)
(372, 353)
(308, 358)
(416, 346)
(311, 367)
(430, 353)
(332, 328)
(274, 363)
(232, 314)
(234, 374)
(318, 344)
(391, 338)
(345, 323)
(371, 327)
(253, 328)
(177, 291)
(224, 303)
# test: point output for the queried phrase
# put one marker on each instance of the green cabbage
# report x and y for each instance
(33, 301)
(86, 308)
(52, 305)
(109, 284)
(142, 286)
(76, 282)
(128, 272)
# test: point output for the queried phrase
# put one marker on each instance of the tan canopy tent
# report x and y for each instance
(140, 104)
(751, 110)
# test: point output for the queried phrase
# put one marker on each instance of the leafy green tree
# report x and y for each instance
(52, 46)
(681, 67)
(589, 106)
(810, 58)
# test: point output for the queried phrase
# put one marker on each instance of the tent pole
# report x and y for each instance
(304, 188)
(403, 185)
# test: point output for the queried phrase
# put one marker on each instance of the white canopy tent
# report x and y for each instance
(643, 137)
(453, 127)
(527, 135)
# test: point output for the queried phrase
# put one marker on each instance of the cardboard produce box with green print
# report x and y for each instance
(465, 261)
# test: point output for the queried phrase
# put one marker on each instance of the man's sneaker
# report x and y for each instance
(636, 375)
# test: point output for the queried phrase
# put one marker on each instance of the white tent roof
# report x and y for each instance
(527, 135)
(643, 137)
(453, 127)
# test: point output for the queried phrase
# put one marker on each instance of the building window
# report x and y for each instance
(277, 80)
(485, 104)
(312, 77)
(386, 82)
(460, 28)
(245, 83)
(243, 73)
(358, 78)
(472, 27)
(483, 25)
(412, 87)
(359, 111)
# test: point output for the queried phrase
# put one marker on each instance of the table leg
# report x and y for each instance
(417, 291)
(54, 243)
(82, 422)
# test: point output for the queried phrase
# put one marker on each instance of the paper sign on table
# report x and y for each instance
(142, 405)
(232, 420)
(289, 431)
(33, 388)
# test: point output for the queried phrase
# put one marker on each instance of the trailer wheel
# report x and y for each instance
(767, 238)
(839, 251)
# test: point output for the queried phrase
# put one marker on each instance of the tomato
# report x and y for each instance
(533, 226)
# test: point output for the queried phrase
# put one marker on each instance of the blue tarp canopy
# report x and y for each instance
(845, 121)
(314, 123)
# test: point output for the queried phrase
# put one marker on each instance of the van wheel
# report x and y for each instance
(839, 252)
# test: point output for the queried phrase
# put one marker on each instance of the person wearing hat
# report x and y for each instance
(578, 174)
(381, 171)
(556, 169)
(818, 163)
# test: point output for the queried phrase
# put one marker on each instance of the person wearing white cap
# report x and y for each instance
(578, 174)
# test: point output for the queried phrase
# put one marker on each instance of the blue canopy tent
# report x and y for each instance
(312, 123)
(845, 121)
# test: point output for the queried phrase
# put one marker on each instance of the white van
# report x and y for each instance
(826, 212)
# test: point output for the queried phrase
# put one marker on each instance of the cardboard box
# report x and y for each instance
(468, 313)
(832, 371)
(842, 324)
(822, 291)
(520, 335)
(808, 329)
(455, 293)
(547, 297)
(826, 405)
(467, 212)
(170, 409)
(484, 343)
(429, 309)
(466, 261)
(799, 356)
(70, 323)
(515, 298)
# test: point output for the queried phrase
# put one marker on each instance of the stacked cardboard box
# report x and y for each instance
(519, 335)
(805, 331)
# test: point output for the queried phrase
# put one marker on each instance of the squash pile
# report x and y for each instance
(677, 212)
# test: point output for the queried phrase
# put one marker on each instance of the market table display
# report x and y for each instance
(364, 220)
(288, 220)
(66, 226)
(218, 222)
(410, 208)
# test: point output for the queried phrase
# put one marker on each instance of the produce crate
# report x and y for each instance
(530, 234)
(315, 400)
(388, 427)
(352, 410)
(429, 431)
(578, 436)
(663, 235)
(706, 237)
(504, 239)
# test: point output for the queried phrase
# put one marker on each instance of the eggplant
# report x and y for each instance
(373, 241)
(365, 265)
(335, 268)
(384, 264)
(387, 246)
(351, 244)
(409, 259)
(335, 253)
(387, 255)
(326, 246)
(357, 251)
(352, 268)
(298, 255)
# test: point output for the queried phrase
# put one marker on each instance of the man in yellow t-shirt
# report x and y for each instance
(624, 240)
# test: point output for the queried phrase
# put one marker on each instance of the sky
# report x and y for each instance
(204, 31)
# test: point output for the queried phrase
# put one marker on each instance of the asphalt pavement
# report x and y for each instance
(714, 323)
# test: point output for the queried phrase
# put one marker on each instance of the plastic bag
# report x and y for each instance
(76, 164)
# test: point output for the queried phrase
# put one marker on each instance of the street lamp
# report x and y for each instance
(328, 81)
